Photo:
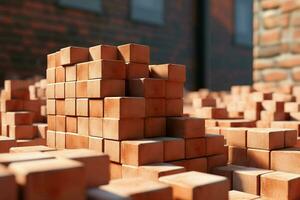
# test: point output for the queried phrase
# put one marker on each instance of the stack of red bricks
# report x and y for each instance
(22, 120)
(110, 99)
(261, 140)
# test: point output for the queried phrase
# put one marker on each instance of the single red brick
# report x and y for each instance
(60, 74)
(75, 141)
(44, 172)
(136, 152)
(135, 53)
(70, 89)
(147, 87)
(124, 107)
(136, 70)
(22, 131)
(99, 88)
(50, 91)
(60, 140)
(113, 149)
(197, 185)
(71, 74)
(51, 122)
(108, 52)
(60, 123)
(115, 171)
(174, 90)
(72, 55)
(70, 107)
(83, 126)
(123, 129)
(50, 75)
(82, 89)
(185, 127)
(174, 148)
(96, 126)
(107, 69)
(96, 143)
(195, 147)
(237, 156)
(155, 127)
(82, 107)
(96, 107)
(214, 144)
(174, 107)
(155, 107)
(259, 158)
(19, 118)
(51, 60)
(170, 72)
(59, 90)
(60, 107)
(6, 143)
(82, 71)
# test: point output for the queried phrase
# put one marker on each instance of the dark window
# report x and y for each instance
(243, 22)
(150, 11)
(89, 5)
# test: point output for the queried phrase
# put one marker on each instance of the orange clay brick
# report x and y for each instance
(113, 149)
(70, 107)
(70, 89)
(96, 165)
(51, 110)
(60, 74)
(59, 90)
(185, 127)
(155, 107)
(103, 52)
(99, 88)
(131, 188)
(174, 107)
(174, 148)
(195, 147)
(51, 60)
(211, 113)
(280, 185)
(60, 140)
(83, 126)
(197, 185)
(43, 172)
(237, 156)
(6, 143)
(204, 102)
(71, 74)
(157, 170)
(60, 123)
(259, 158)
(136, 152)
(19, 118)
(50, 91)
(96, 108)
(72, 55)
(107, 69)
(96, 144)
(60, 107)
(75, 141)
(214, 144)
(96, 126)
(82, 71)
(236, 123)
(123, 129)
(82, 89)
(136, 70)
(50, 74)
(285, 159)
(12, 105)
(248, 179)
(196, 164)
(7, 184)
(267, 139)
(174, 90)
(50, 139)
(147, 87)
(170, 72)
(287, 124)
(22, 131)
(235, 136)
(135, 53)
(124, 107)
(155, 127)
(82, 107)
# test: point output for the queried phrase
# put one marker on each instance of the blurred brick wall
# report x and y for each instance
(276, 41)
(30, 29)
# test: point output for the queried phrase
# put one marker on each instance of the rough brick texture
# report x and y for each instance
(276, 42)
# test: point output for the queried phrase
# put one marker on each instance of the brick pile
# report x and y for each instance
(23, 113)
(261, 135)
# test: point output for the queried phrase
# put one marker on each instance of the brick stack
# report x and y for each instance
(22, 118)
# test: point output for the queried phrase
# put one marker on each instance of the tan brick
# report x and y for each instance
(107, 69)
(98, 88)
(135, 53)
(103, 52)
(72, 55)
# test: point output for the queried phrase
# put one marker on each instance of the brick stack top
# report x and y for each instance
(22, 119)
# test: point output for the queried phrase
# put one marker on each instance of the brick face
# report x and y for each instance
(277, 54)
(31, 29)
